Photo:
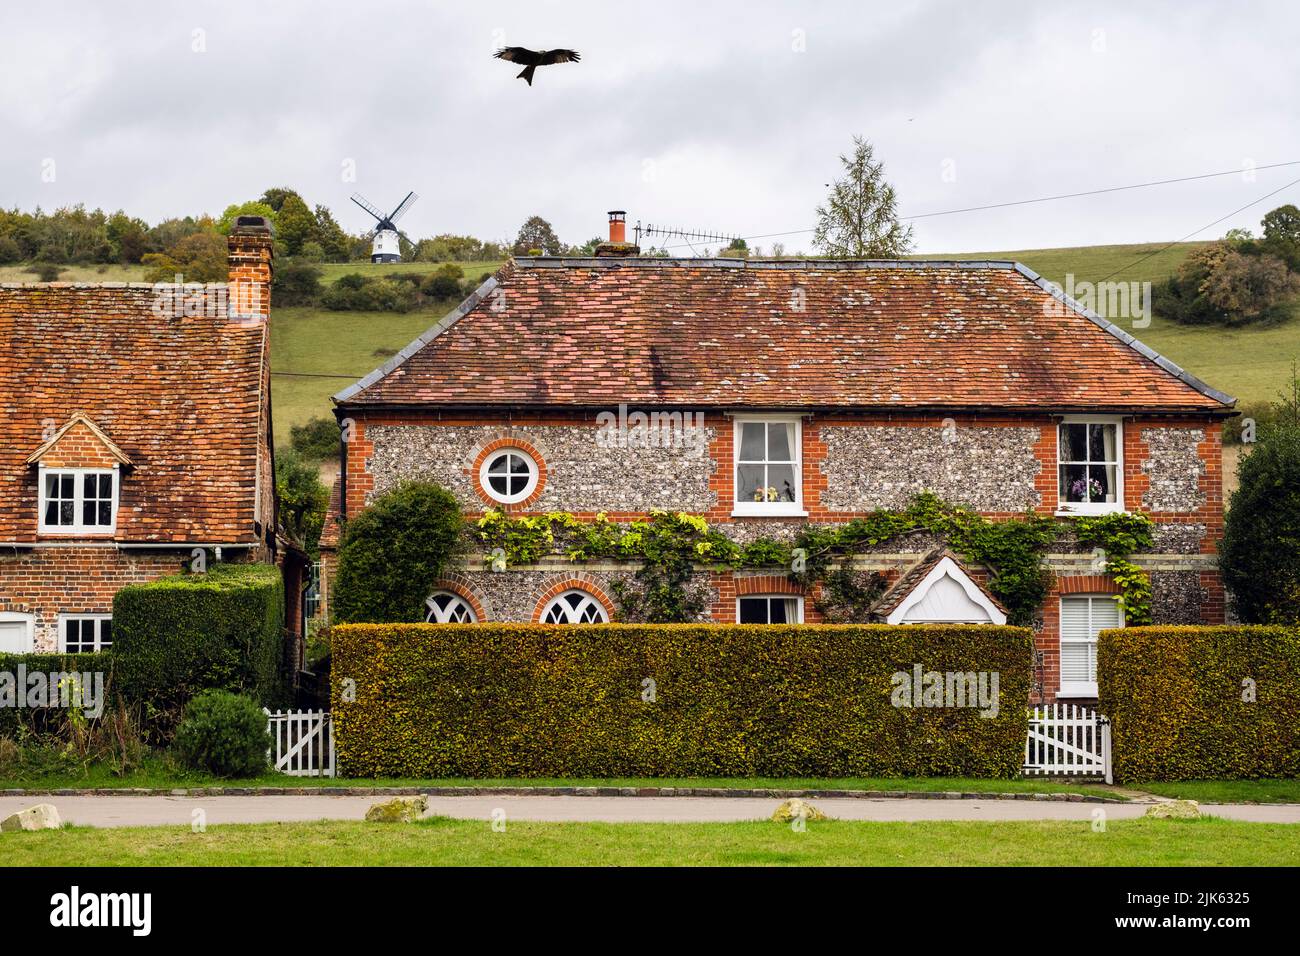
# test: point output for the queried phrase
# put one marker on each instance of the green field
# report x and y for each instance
(315, 353)
(439, 841)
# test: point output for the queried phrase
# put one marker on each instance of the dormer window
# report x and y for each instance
(78, 500)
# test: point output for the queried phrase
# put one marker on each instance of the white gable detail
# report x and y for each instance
(946, 595)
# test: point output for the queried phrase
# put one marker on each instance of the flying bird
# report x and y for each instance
(533, 59)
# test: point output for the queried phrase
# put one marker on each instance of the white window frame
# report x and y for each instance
(534, 475)
(798, 604)
(99, 619)
(768, 509)
(29, 629)
(559, 599)
(1082, 688)
(1065, 508)
(78, 490)
(438, 616)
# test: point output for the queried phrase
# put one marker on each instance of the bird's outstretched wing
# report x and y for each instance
(558, 56)
(519, 54)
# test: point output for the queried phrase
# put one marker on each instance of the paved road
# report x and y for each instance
(151, 811)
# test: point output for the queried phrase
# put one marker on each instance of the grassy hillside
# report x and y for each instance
(1251, 365)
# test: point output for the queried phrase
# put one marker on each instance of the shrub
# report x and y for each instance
(356, 293)
(190, 632)
(303, 500)
(223, 734)
(13, 718)
(316, 440)
(444, 283)
(295, 283)
(1260, 550)
(1197, 703)
(509, 700)
(391, 554)
(10, 251)
(46, 271)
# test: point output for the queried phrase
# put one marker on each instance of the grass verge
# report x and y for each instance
(157, 774)
(440, 841)
(1227, 791)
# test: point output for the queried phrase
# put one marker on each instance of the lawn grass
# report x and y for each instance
(1227, 791)
(156, 774)
(440, 841)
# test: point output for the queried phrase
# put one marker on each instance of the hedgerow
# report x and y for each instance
(181, 634)
(1193, 703)
(518, 700)
(14, 718)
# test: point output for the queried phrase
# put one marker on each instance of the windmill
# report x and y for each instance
(387, 246)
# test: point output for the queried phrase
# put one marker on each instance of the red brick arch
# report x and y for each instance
(1087, 584)
(580, 582)
(767, 584)
(459, 586)
(496, 444)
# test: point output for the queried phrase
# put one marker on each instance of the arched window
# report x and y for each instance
(448, 607)
(508, 475)
(574, 607)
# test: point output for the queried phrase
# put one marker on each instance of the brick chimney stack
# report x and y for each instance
(250, 265)
(618, 244)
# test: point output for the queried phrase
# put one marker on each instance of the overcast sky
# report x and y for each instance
(720, 116)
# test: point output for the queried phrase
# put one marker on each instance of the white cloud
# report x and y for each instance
(741, 127)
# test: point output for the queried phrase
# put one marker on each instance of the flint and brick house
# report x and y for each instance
(135, 427)
(818, 391)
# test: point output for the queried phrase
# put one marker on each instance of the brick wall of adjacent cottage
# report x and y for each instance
(47, 582)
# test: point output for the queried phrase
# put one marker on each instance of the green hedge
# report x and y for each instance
(502, 700)
(1174, 696)
(178, 635)
(14, 718)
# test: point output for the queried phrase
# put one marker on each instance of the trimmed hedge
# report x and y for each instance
(13, 718)
(181, 634)
(1174, 696)
(520, 700)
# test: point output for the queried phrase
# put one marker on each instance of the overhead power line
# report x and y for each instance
(1194, 232)
(1055, 198)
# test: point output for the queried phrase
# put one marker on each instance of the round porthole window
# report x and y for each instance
(508, 475)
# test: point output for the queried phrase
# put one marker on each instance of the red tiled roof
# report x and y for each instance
(180, 397)
(730, 333)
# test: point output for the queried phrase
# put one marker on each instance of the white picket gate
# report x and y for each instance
(1068, 740)
(302, 742)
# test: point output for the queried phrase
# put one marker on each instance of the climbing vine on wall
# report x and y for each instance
(671, 546)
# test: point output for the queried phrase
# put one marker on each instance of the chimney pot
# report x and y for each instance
(617, 226)
(252, 226)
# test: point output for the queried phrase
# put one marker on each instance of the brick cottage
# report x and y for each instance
(815, 391)
(134, 428)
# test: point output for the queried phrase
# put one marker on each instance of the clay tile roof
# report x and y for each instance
(914, 575)
(179, 399)
(331, 530)
(814, 333)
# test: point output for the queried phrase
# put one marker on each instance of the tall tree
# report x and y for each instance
(860, 217)
(1260, 550)
(536, 235)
